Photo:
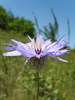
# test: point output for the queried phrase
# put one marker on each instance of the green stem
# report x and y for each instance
(37, 85)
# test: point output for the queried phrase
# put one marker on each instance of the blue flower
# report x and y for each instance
(37, 48)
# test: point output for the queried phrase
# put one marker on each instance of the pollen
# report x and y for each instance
(40, 45)
(35, 46)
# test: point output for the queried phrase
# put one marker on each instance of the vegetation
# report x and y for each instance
(57, 79)
(51, 30)
(9, 22)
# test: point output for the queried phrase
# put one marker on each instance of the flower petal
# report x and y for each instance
(26, 51)
(26, 61)
(57, 57)
(46, 44)
(12, 53)
(61, 59)
(61, 52)
(15, 42)
(9, 44)
(56, 46)
(32, 40)
(39, 39)
(9, 48)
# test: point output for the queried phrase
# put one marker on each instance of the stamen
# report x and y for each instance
(35, 46)
(41, 45)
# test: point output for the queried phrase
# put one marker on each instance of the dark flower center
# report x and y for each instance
(38, 51)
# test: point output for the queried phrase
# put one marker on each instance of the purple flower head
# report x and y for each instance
(37, 48)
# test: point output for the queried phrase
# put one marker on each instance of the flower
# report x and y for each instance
(37, 48)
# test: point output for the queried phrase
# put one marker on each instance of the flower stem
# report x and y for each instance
(37, 85)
